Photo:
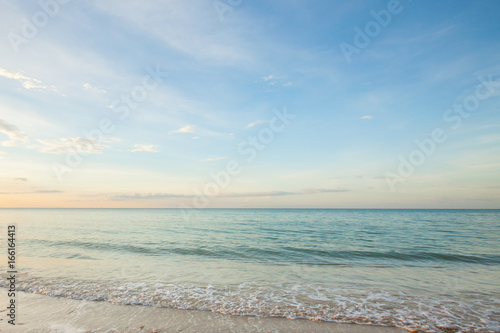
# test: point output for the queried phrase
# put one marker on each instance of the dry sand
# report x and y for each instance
(39, 313)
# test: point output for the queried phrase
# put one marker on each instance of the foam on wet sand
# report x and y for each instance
(40, 313)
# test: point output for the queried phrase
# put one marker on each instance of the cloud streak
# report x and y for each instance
(32, 192)
(255, 123)
(26, 82)
(215, 159)
(67, 145)
(88, 86)
(13, 133)
(184, 27)
(185, 129)
(146, 148)
(154, 196)
(15, 179)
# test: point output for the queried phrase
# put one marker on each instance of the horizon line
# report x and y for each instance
(249, 208)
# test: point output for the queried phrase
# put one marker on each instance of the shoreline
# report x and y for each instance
(41, 313)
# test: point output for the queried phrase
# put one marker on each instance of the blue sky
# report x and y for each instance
(199, 79)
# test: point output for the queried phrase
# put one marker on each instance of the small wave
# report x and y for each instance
(79, 256)
(279, 255)
(291, 301)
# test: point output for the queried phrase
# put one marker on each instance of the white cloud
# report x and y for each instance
(147, 148)
(274, 79)
(88, 86)
(367, 117)
(215, 159)
(26, 82)
(195, 137)
(185, 129)
(65, 145)
(255, 123)
(14, 134)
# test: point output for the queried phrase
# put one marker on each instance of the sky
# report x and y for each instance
(250, 104)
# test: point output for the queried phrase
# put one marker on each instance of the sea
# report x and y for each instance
(425, 270)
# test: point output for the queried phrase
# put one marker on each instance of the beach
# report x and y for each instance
(39, 313)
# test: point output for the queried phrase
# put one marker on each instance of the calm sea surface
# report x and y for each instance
(408, 268)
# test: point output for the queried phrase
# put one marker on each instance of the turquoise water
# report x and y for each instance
(408, 268)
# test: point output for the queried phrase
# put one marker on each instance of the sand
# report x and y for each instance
(40, 313)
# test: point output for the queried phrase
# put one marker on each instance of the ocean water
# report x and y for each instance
(417, 269)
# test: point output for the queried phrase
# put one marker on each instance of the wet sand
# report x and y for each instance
(39, 313)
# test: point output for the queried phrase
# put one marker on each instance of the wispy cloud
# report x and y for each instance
(65, 145)
(14, 134)
(193, 33)
(488, 139)
(215, 159)
(367, 117)
(146, 148)
(15, 179)
(484, 166)
(153, 196)
(88, 86)
(27, 82)
(255, 123)
(271, 79)
(48, 191)
(32, 192)
(147, 196)
(185, 129)
(274, 79)
(268, 78)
